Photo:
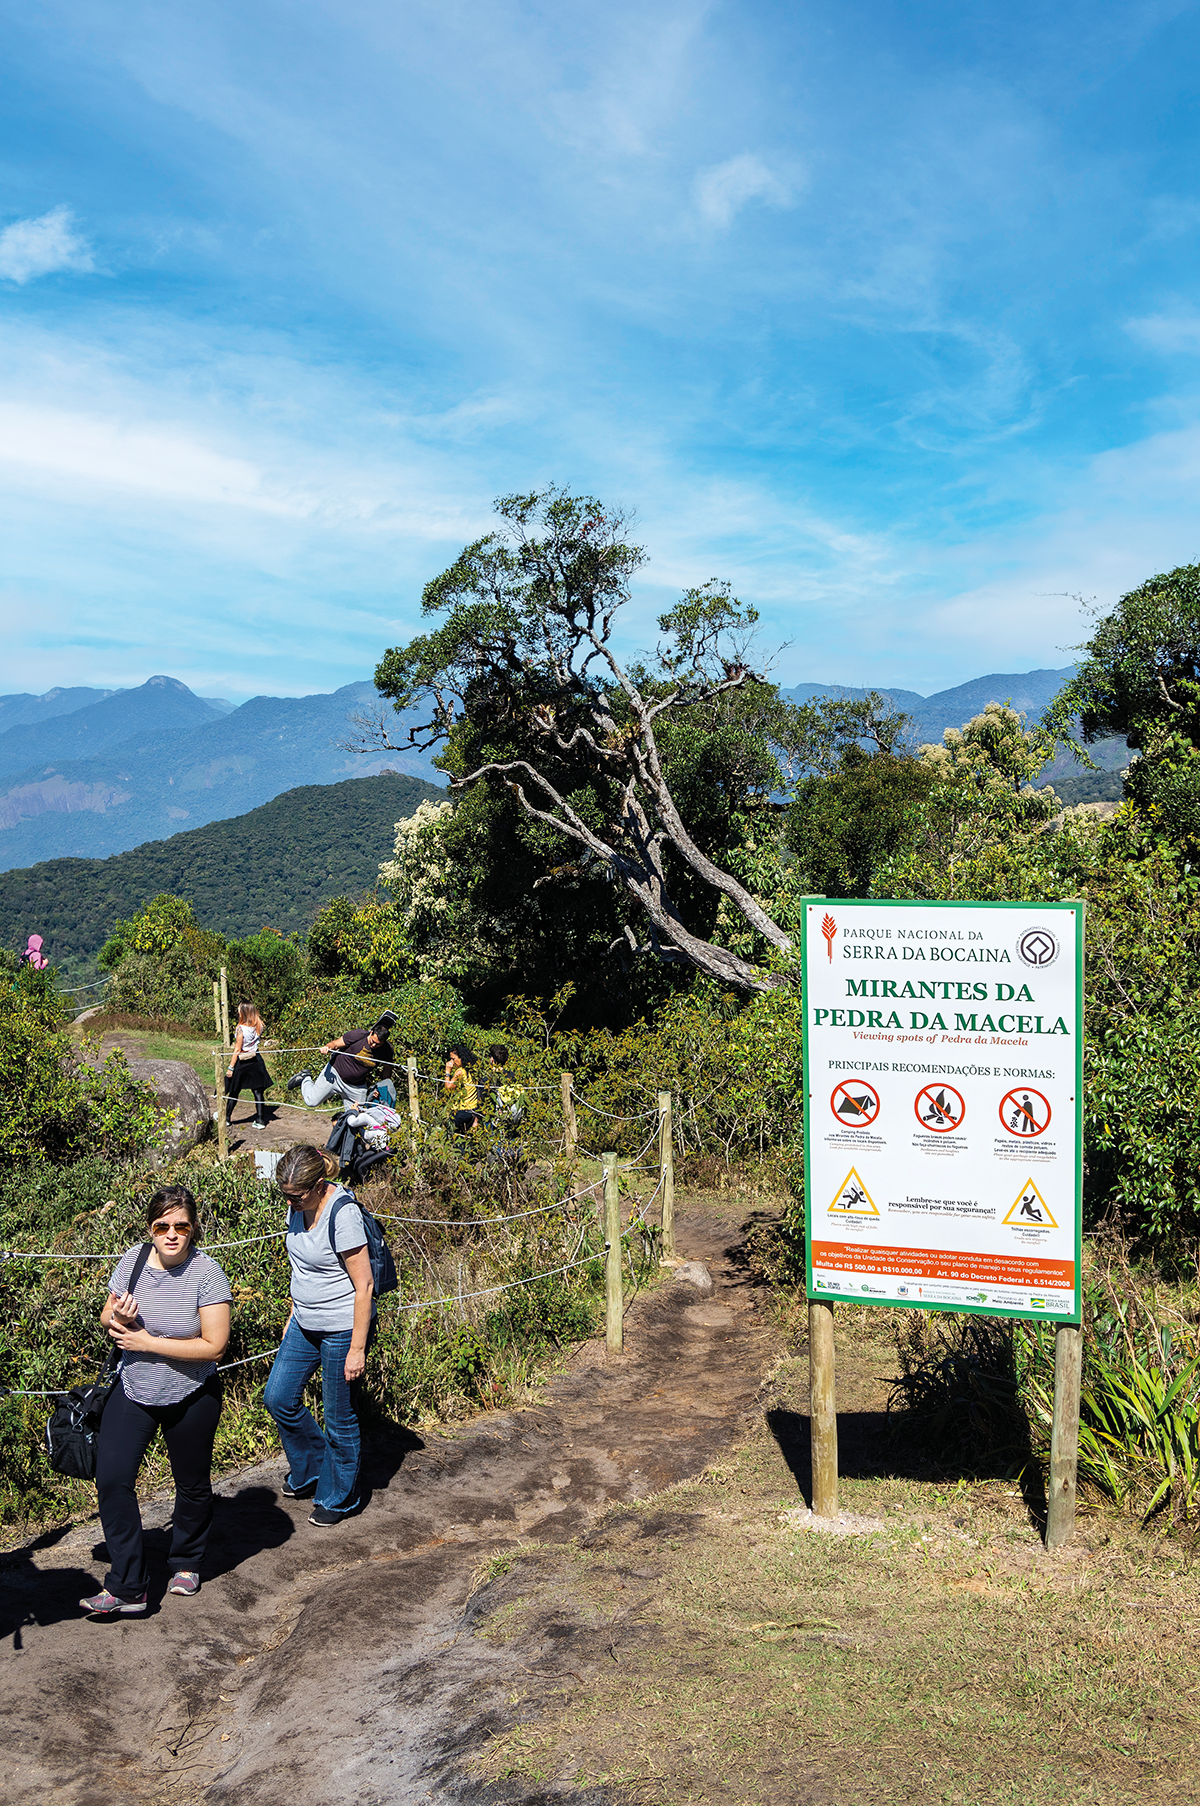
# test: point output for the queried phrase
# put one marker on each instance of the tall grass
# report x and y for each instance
(979, 1392)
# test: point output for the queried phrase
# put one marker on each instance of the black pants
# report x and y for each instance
(126, 1432)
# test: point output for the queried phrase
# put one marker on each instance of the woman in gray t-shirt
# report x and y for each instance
(329, 1327)
(171, 1335)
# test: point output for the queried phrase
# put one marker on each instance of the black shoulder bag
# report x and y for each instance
(74, 1423)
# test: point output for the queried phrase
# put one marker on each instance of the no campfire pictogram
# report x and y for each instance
(1025, 1112)
(940, 1108)
(855, 1101)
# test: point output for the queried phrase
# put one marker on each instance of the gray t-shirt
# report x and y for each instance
(322, 1290)
(168, 1305)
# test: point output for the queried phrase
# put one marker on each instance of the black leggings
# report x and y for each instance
(126, 1432)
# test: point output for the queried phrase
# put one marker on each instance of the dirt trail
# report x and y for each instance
(338, 1665)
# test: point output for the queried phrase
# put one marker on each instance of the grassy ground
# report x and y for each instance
(704, 1648)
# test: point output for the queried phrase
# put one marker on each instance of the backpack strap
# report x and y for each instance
(113, 1357)
(346, 1196)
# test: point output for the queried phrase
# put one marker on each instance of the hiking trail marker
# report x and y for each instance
(948, 1039)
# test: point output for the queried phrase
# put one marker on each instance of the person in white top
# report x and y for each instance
(247, 1070)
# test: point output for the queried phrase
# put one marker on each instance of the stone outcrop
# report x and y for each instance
(177, 1087)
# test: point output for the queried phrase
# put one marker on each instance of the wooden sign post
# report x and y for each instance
(666, 1172)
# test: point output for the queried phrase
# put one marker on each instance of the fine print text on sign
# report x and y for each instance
(943, 1065)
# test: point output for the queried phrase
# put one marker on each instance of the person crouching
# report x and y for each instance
(360, 1056)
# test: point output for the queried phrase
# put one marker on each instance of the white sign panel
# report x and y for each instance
(943, 1065)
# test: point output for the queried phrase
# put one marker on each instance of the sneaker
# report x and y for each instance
(106, 1605)
(187, 1582)
(322, 1515)
(298, 1492)
(256, 1124)
(297, 1079)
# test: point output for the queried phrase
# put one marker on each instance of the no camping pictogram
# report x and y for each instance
(852, 1199)
(1030, 1210)
(855, 1101)
(940, 1108)
(1025, 1112)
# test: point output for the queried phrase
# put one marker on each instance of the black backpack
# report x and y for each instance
(383, 1267)
(74, 1424)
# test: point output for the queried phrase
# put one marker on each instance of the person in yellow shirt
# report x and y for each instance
(461, 1078)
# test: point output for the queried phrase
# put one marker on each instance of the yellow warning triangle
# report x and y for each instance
(1030, 1209)
(852, 1198)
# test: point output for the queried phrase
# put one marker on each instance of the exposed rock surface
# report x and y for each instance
(695, 1273)
(177, 1087)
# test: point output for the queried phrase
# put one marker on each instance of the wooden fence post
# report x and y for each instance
(216, 1009)
(219, 1104)
(414, 1100)
(666, 1170)
(225, 1007)
(822, 1409)
(570, 1131)
(1064, 1434)
(614, 1314)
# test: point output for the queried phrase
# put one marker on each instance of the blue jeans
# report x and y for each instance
(330, 1456)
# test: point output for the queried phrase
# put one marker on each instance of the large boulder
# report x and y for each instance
(177, 1087)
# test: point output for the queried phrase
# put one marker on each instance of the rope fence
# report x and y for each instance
(418, 1304)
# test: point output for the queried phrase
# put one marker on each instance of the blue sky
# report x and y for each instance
(888, 313)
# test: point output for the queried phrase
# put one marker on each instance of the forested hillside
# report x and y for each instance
(273, 866)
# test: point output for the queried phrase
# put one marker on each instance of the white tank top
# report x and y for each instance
(250, 1040)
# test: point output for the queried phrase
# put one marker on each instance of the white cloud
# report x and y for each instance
(36, 247)
(723, 190)
(1168, 332)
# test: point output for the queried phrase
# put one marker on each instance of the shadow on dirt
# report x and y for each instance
(872, 1445)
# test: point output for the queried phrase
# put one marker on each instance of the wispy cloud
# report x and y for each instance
(37, 247)
(722, 192)
(1168, 332)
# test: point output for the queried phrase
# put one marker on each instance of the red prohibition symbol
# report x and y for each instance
(1025, 1112)
(940, 1108)
(855, 1101)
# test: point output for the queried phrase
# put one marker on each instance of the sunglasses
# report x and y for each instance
(165, 1228)
(294, 1197)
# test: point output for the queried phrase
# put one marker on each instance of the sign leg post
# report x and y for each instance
(822, 1409)
(614, 1300)
(1064, 1434)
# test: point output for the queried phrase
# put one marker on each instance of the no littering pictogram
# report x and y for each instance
(855, 1101)
(1025, 1112)
(940, 1108)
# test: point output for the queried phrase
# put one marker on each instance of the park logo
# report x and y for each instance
(1038, 947)
(829, 929)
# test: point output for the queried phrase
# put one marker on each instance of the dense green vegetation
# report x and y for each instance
(274, 866)
(613, 890)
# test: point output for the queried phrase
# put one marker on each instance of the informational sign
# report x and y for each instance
(943, 1072)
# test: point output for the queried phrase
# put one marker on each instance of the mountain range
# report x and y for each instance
(274, 866)
(88, 773)
(91, 773)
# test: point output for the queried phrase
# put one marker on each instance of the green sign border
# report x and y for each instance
(1079, 909)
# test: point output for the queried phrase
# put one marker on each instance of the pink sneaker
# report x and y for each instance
(187, 1582)
(106, 1605)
